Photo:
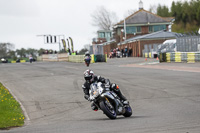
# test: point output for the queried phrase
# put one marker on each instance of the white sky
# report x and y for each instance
(22, 20)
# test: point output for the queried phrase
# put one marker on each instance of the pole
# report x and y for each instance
(125, 28)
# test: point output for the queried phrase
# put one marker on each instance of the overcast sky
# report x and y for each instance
(22, 20)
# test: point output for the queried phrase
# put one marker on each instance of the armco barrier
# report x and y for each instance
(13, 61)
(73, 58)
(55, 57)
(76, 58)
(189, 57)
(63, 57)
(22, 61)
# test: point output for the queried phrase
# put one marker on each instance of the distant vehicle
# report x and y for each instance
(18, 60)
(168, 46)
(4, 60)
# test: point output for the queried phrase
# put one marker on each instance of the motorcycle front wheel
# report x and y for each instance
(108, 110)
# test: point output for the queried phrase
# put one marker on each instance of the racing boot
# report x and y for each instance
(122, 98)
(94, 107)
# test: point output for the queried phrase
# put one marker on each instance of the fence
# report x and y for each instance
(186, 47)
(188, 42)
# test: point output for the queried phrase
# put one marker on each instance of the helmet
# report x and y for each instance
(89, 75)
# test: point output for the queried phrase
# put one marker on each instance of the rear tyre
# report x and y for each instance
(107, 110)
(128, 111)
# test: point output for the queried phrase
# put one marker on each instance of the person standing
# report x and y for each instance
(122, 51)
(31, 58)
(130, 52)
(126, 51)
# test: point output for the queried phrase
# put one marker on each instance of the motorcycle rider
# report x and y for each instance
(87, 56)
(91, 78)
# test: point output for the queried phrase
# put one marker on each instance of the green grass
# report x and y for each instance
(11, 114)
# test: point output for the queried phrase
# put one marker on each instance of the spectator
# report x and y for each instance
(122, 51)
(114, 52)
(69, 51)
(130, 52)
(31, 58)
(126, 51)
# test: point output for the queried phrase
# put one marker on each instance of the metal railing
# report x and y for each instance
(189, 42)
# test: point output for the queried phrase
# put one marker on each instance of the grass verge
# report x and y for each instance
(11, 114)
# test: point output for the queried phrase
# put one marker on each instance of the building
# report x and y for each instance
(103, 36)
(146, 42)
(137, 30)
(140, 23)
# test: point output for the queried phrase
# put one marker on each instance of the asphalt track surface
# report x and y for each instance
(165, 97)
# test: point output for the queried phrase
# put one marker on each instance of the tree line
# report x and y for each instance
(7, 51)
(186, 14)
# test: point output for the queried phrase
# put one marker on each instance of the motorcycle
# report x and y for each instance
(87, 60)
(108, 101)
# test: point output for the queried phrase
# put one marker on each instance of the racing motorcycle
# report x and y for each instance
(108, 101)
(87, 60)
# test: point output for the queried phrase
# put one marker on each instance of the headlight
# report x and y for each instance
(102, 95)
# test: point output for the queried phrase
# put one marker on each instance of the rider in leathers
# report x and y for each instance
(91, 78)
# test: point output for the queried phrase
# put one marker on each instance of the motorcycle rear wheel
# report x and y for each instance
(128, 111)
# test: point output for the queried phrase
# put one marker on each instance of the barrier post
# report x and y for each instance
(92, 58)
(146, 55)
(177, 57)
(149, 54)
(190, 57)
(168, 57)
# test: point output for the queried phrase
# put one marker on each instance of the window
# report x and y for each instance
(130, 30)
(133, 29)
(150, 28)
(155, 28)
(138, 29)
(108, 35)
(101, 35)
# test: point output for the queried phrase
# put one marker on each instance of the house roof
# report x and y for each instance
(145, 17)
(155, 35)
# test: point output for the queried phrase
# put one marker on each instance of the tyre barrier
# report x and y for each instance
(189, 57)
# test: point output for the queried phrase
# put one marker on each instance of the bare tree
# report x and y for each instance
(103, 18)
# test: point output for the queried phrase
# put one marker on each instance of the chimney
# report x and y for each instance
(140, 5)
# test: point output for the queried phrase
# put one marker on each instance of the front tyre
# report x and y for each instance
(88, 64)
(128, 111)
(110, 112)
